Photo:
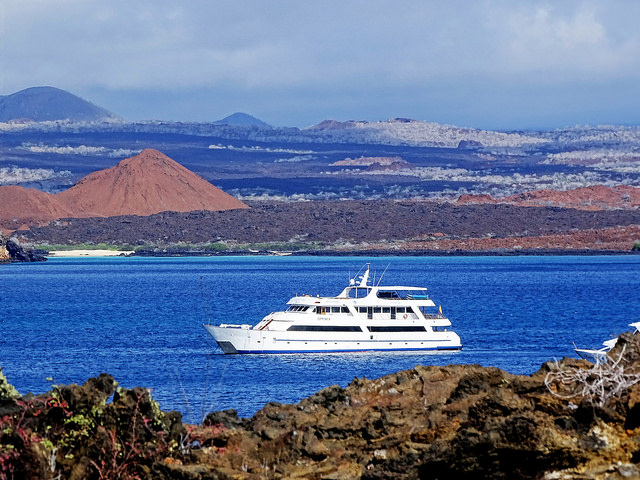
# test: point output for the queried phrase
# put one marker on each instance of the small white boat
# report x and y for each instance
(363, 317)
(600, 355)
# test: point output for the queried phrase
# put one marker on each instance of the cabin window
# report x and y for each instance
(297, 308)
(400, 309)
(386, 310)
(388, 294)
(344, 309)
(335, 309)
(377, 309)
(359, 292)
(324, 328)
(393, 313)
(362, 309)
(321, 310)
(369, 313)
(400, 328)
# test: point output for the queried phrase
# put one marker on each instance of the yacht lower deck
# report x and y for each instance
(238, 340)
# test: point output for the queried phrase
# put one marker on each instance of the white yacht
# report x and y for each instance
(363, 317)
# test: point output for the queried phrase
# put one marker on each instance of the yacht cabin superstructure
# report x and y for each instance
(363, 317)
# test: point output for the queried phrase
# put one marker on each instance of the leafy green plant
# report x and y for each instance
(55, 431)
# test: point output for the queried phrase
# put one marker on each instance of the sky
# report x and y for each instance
(494, 64)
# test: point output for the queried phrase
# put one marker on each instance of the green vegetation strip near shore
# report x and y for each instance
(81, 246)
(212, 247)
(313, 248)
(280, 246)
(232, 246)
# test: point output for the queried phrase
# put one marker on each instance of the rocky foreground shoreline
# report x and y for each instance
(570, 420)
(12, 251)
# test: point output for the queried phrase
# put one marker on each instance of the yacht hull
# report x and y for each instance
(243, 341)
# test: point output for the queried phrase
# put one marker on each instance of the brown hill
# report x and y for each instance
(142, 185)
(594, 197)
(25, 205)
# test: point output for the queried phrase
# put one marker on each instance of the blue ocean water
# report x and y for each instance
(140, 319)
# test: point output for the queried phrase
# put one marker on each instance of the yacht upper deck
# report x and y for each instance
(360, 292)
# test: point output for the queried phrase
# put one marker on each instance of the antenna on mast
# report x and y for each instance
(385, 271)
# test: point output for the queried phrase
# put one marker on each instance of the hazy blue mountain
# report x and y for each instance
(240, 119)
(42, 104)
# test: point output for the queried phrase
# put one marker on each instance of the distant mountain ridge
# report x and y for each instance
(574, 144)
(404, 131)
(240, 119)
(41, 104)
(142, 185)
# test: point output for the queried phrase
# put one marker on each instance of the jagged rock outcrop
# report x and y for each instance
(7, 391)
(4, 253)
(458, 421)
(12, 251)
(18, 254)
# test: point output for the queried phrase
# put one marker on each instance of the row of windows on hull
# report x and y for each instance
(354, 328)
(325, 310)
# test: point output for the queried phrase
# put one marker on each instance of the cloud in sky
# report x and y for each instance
(492, 63)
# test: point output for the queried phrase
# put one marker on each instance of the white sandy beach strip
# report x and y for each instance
(88, 253)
